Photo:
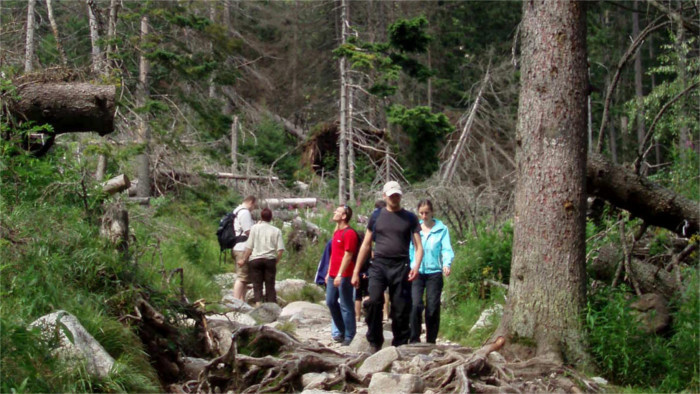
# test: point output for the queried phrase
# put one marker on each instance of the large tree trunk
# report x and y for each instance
(548, 278)
(67, 107)
(638, 85)
(652, 203)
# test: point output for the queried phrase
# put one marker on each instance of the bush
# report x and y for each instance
(627, 356)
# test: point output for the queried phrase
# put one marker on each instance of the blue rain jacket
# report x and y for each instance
(437, 249)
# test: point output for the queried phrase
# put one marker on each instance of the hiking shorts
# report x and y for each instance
(241, 272)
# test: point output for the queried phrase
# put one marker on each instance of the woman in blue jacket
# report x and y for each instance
(437, 260)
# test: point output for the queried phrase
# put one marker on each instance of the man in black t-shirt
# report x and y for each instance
(391, 229)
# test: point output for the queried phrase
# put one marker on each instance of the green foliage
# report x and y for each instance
(266, 148)
(486, 255)
(425, 131)
(408, 35)
(627, 356)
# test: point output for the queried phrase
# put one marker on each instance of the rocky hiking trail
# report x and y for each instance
(288, 348)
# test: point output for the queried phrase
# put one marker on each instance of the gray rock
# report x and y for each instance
(235, 317)
(305, 312)
(486, 318)
(313, 380)
(599, 380)
(360, 345)
(496, 358)
(192, 367)
(80, 348)
(266, 313)
(418, 363)
(379, 361)
(652, 313)
(383, 382)
(234, 304)
(225, 281)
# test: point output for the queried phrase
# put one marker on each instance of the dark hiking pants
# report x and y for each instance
(263, 271)
(431, 285)
(393, 274)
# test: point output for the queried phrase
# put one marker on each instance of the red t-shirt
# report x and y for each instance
(343, 240)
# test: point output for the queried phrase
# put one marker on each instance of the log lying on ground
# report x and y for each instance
(651, 278)
(642, 198)
(228, 175)
(289, 202)
(117, 184)
(67, 107)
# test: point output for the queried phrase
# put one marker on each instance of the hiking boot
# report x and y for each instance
(373, 348)
(346, 342)
(338, 339)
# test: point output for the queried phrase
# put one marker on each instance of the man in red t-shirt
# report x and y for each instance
(339, 290)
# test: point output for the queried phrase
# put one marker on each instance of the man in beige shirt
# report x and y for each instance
(263, 251)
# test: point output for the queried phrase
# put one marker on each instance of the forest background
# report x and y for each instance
(331, 99)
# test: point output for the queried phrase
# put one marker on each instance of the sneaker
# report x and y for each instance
(338, 339)
(346, 342)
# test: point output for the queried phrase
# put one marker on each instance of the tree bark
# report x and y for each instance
(67, 107)
(234, 145)
(652, 203)
(638, 83)
(143, 160)
(342, 140)
(547, 295)
(54, 29)
(29, 43)
(116, 184)
(97, 59)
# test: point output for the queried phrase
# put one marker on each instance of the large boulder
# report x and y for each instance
(266, 313)
(234, 304)
(73, 343)
(192, 367)
(378, 362)
(359, 344)
(652, 312)
(305, 313)
(383, 382)
(234, 317)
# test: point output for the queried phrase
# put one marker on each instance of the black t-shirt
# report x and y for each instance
(392, 232)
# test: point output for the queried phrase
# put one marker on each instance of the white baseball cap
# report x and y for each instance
(391, 188)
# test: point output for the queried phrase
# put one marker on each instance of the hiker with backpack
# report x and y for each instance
(392, 229)
(437, 260)
(339, 289)
(263, 251)
(242, 224)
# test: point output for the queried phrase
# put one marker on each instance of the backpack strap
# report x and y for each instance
(373, 220)
(235, 217)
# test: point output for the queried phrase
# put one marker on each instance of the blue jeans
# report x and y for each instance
(341, 302)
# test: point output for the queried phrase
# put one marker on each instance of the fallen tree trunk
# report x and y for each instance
(116, 184)
(650, 277)
(228, 175)
(289, 202)
(652, 203)
(67, 107)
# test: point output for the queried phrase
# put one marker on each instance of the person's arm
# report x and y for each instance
(361, 256)
(347, 258)
(447, 253)
(245, 257)
(413, 274)
(279, 255)
(280, 246)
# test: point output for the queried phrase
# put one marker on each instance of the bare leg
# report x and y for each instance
(358, 309)
(386, 305)
(239, 289)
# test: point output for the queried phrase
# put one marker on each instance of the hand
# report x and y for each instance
(355, 281)
(412, 275)
(336, 281)
(446, 271)
(327, 276)
(240, 263)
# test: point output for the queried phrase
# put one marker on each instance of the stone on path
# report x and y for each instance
(383, 382)
(313, 380)
(234, 304)
(192, 367)
(360, 345)
(304, 312)
(379, 361)
(82, 347)
(234, 317)
(266, 313)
